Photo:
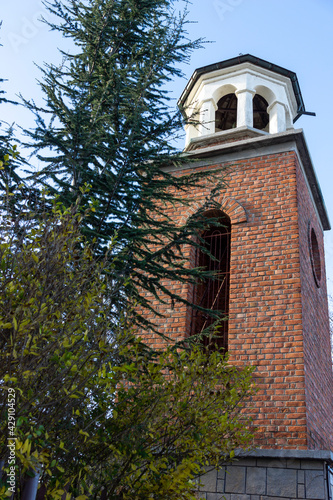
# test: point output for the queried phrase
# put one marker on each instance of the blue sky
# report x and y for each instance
(295, 34)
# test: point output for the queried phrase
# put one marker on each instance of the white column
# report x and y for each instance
(207, 117)
(191, 133)
(277, 117)
(245, 107)
(188, 134)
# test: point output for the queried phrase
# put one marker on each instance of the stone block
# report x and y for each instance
(256, 480)
(300, 491)
(314, 484)
(301, 476)
(235, 480)
(221, 473)
(246, 462)
(214, 496)
(282, 482)
(209, 481)
(293, 463)
(220, 485)
(280, 463)
(274, 498)
(312, 464)
(236, 496)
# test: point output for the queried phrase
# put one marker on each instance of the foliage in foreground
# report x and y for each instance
(96, 412)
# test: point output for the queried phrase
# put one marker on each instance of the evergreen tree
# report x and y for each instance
(109, 123)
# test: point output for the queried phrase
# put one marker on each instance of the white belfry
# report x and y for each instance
(261, 98)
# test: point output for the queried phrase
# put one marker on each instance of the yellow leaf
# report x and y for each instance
(25, 446)
(6, 325)
(18, 444)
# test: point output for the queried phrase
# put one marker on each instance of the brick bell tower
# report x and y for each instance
(273, 274)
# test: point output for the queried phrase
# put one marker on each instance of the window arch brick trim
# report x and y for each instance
(234, 210)
(229, 206)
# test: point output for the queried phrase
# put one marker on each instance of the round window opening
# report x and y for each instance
(315, 256)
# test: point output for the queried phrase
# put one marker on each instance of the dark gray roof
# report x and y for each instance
(240, 60)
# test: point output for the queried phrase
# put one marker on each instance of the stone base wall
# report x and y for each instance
(278, 475)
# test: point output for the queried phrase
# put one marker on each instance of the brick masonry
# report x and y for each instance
(278, 316)
(317, 363)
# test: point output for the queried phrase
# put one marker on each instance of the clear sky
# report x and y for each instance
(295, 34)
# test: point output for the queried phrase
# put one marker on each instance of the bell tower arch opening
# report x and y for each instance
(226, 113)
(260, 114)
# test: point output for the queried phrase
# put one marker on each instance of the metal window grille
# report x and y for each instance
(226, 113)
(213, 293)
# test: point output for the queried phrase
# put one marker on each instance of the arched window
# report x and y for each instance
(260, 115)
(226, 113)
(213, 293)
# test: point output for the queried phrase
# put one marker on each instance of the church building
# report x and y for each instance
(271, 261)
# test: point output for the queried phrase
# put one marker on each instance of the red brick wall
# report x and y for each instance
(317, 357)
(266, 306)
